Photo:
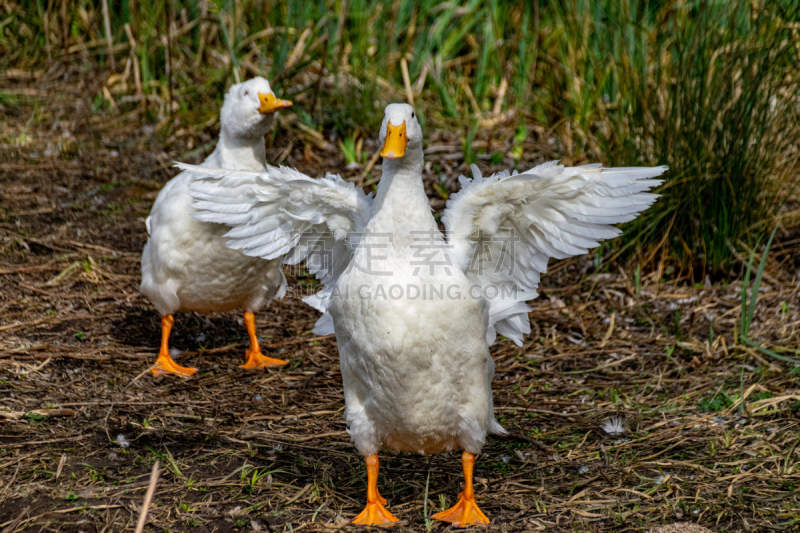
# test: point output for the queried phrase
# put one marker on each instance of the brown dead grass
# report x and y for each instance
(682, 527)
(268, 451)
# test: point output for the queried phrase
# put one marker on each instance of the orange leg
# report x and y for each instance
(466, 512)
(164, 363)
(256, 359)
(375, 514)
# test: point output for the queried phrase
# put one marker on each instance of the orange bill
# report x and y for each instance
(396, 141)
(270, 104)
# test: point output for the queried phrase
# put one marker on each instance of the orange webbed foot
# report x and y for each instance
(375, 514)
(463, 514)
(256, 359)
(165, 365)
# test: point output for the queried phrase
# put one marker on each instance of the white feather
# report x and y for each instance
(550, 211)
(283, 211)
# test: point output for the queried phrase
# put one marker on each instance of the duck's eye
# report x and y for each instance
(412, 114)
(246, 93)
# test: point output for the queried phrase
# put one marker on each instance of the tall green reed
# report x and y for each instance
(705, 86)
(702, 86)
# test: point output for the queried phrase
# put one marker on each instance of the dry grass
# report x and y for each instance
(268, 451)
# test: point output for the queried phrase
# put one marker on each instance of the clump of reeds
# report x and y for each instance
(705, 87)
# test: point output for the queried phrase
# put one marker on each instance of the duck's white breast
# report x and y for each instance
(186, 265)
(415, 365)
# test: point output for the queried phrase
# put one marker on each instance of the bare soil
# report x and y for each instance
(82, 422)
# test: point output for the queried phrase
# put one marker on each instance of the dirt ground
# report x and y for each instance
(82, 422)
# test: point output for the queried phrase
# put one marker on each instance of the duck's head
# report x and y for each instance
(400, 131)
(250, 108)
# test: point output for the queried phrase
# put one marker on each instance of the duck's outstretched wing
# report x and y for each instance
(503, 229)
(283, 211)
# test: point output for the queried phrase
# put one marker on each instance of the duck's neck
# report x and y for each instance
(401, 206)
(238, 153)
(401, 181)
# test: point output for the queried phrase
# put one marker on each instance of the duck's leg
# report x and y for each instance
(256, 359)
(375, 514)
(164, 363)
(466, 512)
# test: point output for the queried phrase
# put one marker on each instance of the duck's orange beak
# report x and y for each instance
(270, 104)
(396, 141)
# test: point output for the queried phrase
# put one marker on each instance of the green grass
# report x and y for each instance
(749, 303)
(716, 403)
(705, 86)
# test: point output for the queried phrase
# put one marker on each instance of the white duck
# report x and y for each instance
(415, 310)
(185, 264)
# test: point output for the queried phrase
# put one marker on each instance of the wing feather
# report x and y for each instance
(505, 228)
(284, 212)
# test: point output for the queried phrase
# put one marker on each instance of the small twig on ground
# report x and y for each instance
(298, 341)
(14, 477)
(151, 488)
(38, 368)
(61, 464)
(610, 331)
(134, 380)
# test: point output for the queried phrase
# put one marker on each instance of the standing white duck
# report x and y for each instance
(415, 310)
(185, 264)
